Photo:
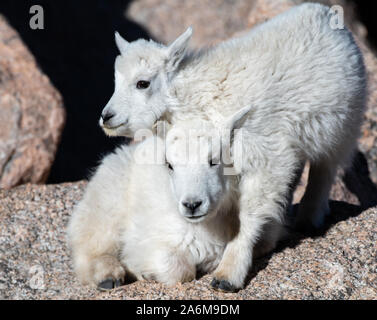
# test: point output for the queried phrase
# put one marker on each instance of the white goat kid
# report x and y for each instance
(162, 218)
(307, 85)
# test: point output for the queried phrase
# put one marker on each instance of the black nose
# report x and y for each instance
(107, 116)
(192, 205)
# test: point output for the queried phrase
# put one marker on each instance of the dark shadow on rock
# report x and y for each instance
(357, 180)
(340, 211)
(76, 50)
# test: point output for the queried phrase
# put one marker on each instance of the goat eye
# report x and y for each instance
(169, 166)
(142, 84)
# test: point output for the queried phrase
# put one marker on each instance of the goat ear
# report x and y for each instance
(176, 50)
(121, 43)
(235, 121)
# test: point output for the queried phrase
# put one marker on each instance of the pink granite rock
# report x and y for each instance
(31, 114)
(35, 262)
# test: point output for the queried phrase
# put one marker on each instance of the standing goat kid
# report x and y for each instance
(306, 83)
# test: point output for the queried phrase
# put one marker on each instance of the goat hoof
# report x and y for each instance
(215, 283)
(109, 284)
(222, 286)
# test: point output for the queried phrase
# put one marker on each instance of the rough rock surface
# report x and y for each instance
(31, 117)
(35, 264)
(213, 20)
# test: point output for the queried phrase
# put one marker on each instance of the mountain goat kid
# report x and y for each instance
(306, 84)
(159, 213)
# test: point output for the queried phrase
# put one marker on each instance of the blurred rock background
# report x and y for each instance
(53, 86)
